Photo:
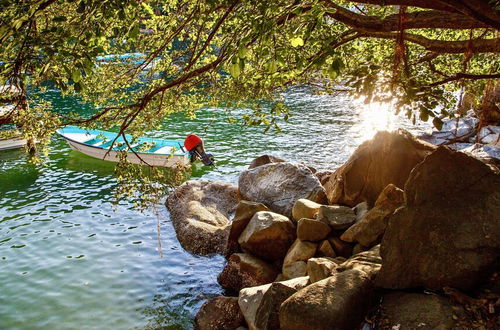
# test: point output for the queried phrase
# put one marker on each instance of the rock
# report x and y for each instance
(295, 269)
(387, 158)
(325, 250)
(294, 264)
(219, 313)
(268, 235)
(244, 270)
(489, 135)
(304, 208)
(370, 229)
(244, 212)
(418, 311)
(260, 307)
(368, 262)
(320, 268)
(263, 160)
(280, 185)
(323, 176)
(340, 247)
(358, 248)
(300, 251)
(200, 214)
(336, 216)
(360, 210)
(448, 233)
(337, 302)
(312, 230)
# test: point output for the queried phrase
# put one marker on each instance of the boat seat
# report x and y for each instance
(163, 150)
(94, 142)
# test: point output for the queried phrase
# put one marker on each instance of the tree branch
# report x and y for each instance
(467, 76)
(439, 46)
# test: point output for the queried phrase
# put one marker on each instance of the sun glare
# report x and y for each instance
(373, 117)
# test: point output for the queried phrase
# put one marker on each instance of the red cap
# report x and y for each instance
(191, 141)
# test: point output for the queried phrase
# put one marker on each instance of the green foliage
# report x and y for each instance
(207, 53)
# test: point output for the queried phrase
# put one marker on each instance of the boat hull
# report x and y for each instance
(171, 161)
(14, 143)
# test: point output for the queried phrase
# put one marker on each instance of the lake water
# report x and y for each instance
(70, 259)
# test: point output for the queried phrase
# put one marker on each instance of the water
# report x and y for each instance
(69, 259)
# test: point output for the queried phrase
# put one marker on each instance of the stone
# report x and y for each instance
(419, 311)
(337, 302)
(312, 230)
(244, 270)
(304, 208)
(294, 264)
(447, 233)
(370, 229)
(336, 216)
(244, 212)
(325, 250)
(295, 269)
(219, 313)
(263, 160)
(360, 210)
(323, 176)
(280, 185)
(388, 158)
(268, 235)
(300, 251)
(340, 247)
(260, 304)
(200, 214)
(320, 268)
(368, 262)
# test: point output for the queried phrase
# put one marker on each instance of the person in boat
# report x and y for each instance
(194, 145)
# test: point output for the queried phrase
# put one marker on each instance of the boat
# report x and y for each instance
(14, 142)
(143, 151)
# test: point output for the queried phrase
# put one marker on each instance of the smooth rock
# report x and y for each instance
(325, 250)
(244, 270)
(280, 185)
(448, 232)
(245, 210)
(387, 158)
(337, 302)
(336, 216)
(263, 160)
(300, 251)
(304, 208)
(295, 269)
(312, 230)
(360, 210)
(260, 308)
(419, 311)
(370, 229)
(268, 235)
(219, 313)
(320, 268)
(340, 247)
(200, 214)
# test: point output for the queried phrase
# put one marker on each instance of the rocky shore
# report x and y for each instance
(404, 235)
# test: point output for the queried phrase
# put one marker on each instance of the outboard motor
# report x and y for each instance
(194, 144)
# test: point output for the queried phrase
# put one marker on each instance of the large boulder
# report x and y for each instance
(337, 302)
(200, 213)
(368, 262)
(268, 235)
(245, 210)
(263, 160)
(370, 229)
(448, 232)
(244, 270)
(280, 185)
(388, 158)
(419, 311)
(260, 304)
(219, 313)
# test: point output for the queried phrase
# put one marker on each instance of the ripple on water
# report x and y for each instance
(69, 261)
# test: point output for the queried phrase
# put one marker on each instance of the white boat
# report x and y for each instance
(142, 151)
(12, 143)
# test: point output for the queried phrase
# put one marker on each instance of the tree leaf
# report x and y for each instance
(296, 42)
